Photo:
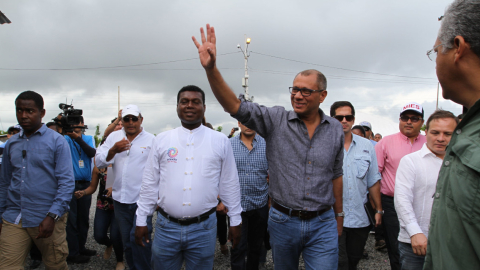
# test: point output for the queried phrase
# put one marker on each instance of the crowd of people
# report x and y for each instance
(299, 181)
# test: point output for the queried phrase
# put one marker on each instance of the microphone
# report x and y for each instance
(24, 153)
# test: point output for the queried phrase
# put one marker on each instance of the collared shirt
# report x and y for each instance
(360, 172)
(127, 166)
(80, 158)
(301, 169)
(252, 167)
(36, 177)
(390, 151)
(186, 171)
(373, 142)
(454, 234)
(415, 184)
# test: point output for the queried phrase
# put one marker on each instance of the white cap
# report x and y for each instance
(131, 109)
(366, 124)
(412, 106)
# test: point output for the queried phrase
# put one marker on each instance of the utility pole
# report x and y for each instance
(246, 54)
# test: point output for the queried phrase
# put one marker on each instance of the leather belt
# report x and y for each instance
(188, 221)
(299, 213)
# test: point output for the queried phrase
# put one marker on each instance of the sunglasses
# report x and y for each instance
(366, 128)
(127, 119)
(348, 117)
(414, 119)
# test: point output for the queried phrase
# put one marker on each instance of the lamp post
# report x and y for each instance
(246, 54)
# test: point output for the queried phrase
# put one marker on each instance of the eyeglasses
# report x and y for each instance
(348, 117)
(414, 119)
(304, 91)
(432, 54)
(127, 119)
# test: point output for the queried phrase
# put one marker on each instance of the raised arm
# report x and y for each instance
(207, 53)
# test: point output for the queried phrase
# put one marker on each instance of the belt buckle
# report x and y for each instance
(302, 214)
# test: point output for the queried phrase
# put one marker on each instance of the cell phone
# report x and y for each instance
(105, 193)
(235, 128)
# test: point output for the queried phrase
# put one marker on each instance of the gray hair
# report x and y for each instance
(462, 18)
(321, 79)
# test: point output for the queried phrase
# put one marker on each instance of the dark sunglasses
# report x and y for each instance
(127, 119)
(366, 128)
(414, 119)
(348, 117)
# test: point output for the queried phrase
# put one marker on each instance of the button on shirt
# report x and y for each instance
(127, 166)
(360, 172)
(301, 169)
(390, 151)
(38, 183)
(252, 169)
(415, 184)
(186, 171)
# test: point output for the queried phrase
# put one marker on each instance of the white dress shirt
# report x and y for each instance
(127, 166)
(415, 185)
(186, 171)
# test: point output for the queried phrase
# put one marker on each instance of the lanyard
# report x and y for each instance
(79, 149)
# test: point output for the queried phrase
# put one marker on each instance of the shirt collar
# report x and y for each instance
(140, 133)
(405, 138)
(293, 115)
(41, 130)
(194, 131)
(425, 151)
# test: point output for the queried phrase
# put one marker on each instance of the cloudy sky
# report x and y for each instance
(373, 54)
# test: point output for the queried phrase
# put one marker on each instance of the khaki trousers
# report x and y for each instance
(15, 243)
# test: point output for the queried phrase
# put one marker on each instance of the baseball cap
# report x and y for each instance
(412, 106)
(131, 109)
(366, 124)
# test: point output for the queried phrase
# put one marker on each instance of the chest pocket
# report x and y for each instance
(362, 162)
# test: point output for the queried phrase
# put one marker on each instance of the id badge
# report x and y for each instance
(81, 164)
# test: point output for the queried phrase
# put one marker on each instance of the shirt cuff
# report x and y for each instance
(413, 229)
(243, 113)
(235, 220)
(141, 220)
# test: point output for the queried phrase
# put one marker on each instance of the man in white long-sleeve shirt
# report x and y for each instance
(186, 170)
(127, 149)
(415, 184)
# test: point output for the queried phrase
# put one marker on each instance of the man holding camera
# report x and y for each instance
(82, 149)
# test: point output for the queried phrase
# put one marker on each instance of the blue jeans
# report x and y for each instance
(126, 218)
(78, 220)
(105, 219)
(316, 239)
(174, 243)
(408, 259)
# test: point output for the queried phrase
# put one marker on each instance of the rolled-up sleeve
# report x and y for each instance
(229, 186)
(64, 176)
(102, 153)
(149, 191)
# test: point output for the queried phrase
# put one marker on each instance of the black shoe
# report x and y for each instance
(88, 252)
(34, 264)
(79, 259)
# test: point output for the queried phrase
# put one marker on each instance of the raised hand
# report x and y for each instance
(207, 51)
(120, 146)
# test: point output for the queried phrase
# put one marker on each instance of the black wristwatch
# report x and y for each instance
(52, 215)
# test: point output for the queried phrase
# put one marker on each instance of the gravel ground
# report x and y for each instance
(377, 260)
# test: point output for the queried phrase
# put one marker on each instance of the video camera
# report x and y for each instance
(69, 119)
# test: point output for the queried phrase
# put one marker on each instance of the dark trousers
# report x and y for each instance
(105, 219)
(350, 247)
(126, 219)
(379, 229)
(391, 228)
(408, 259)
(254, 224)
(78, 220)
(222, 224)
(35, 253)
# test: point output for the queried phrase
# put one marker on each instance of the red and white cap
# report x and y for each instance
(412, 106)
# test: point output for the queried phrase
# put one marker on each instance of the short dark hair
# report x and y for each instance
(12, 129)
(31, 95)
(113, 120)
(361, 130)
(438, 114)
(191, 88)
(321, 79)
(49, 124)
(339, 104)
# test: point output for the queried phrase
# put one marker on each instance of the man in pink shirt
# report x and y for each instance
(389, 152)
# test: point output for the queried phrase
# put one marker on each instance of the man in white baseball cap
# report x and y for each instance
(368, 131)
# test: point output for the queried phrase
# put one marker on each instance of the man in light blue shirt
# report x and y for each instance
(36, 186)
(360, 176)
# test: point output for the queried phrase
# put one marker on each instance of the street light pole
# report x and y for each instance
(246, 54)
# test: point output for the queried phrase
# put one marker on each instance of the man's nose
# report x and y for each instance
(298, 95)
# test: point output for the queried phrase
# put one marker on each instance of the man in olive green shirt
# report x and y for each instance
(454, 237)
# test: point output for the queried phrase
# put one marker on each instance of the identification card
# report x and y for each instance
(81, 164)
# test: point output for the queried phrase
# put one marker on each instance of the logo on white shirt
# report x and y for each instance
(172, 152)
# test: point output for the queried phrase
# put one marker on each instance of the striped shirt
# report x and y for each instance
(252, 169)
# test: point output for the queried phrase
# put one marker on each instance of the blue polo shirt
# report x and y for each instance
(77, 153)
